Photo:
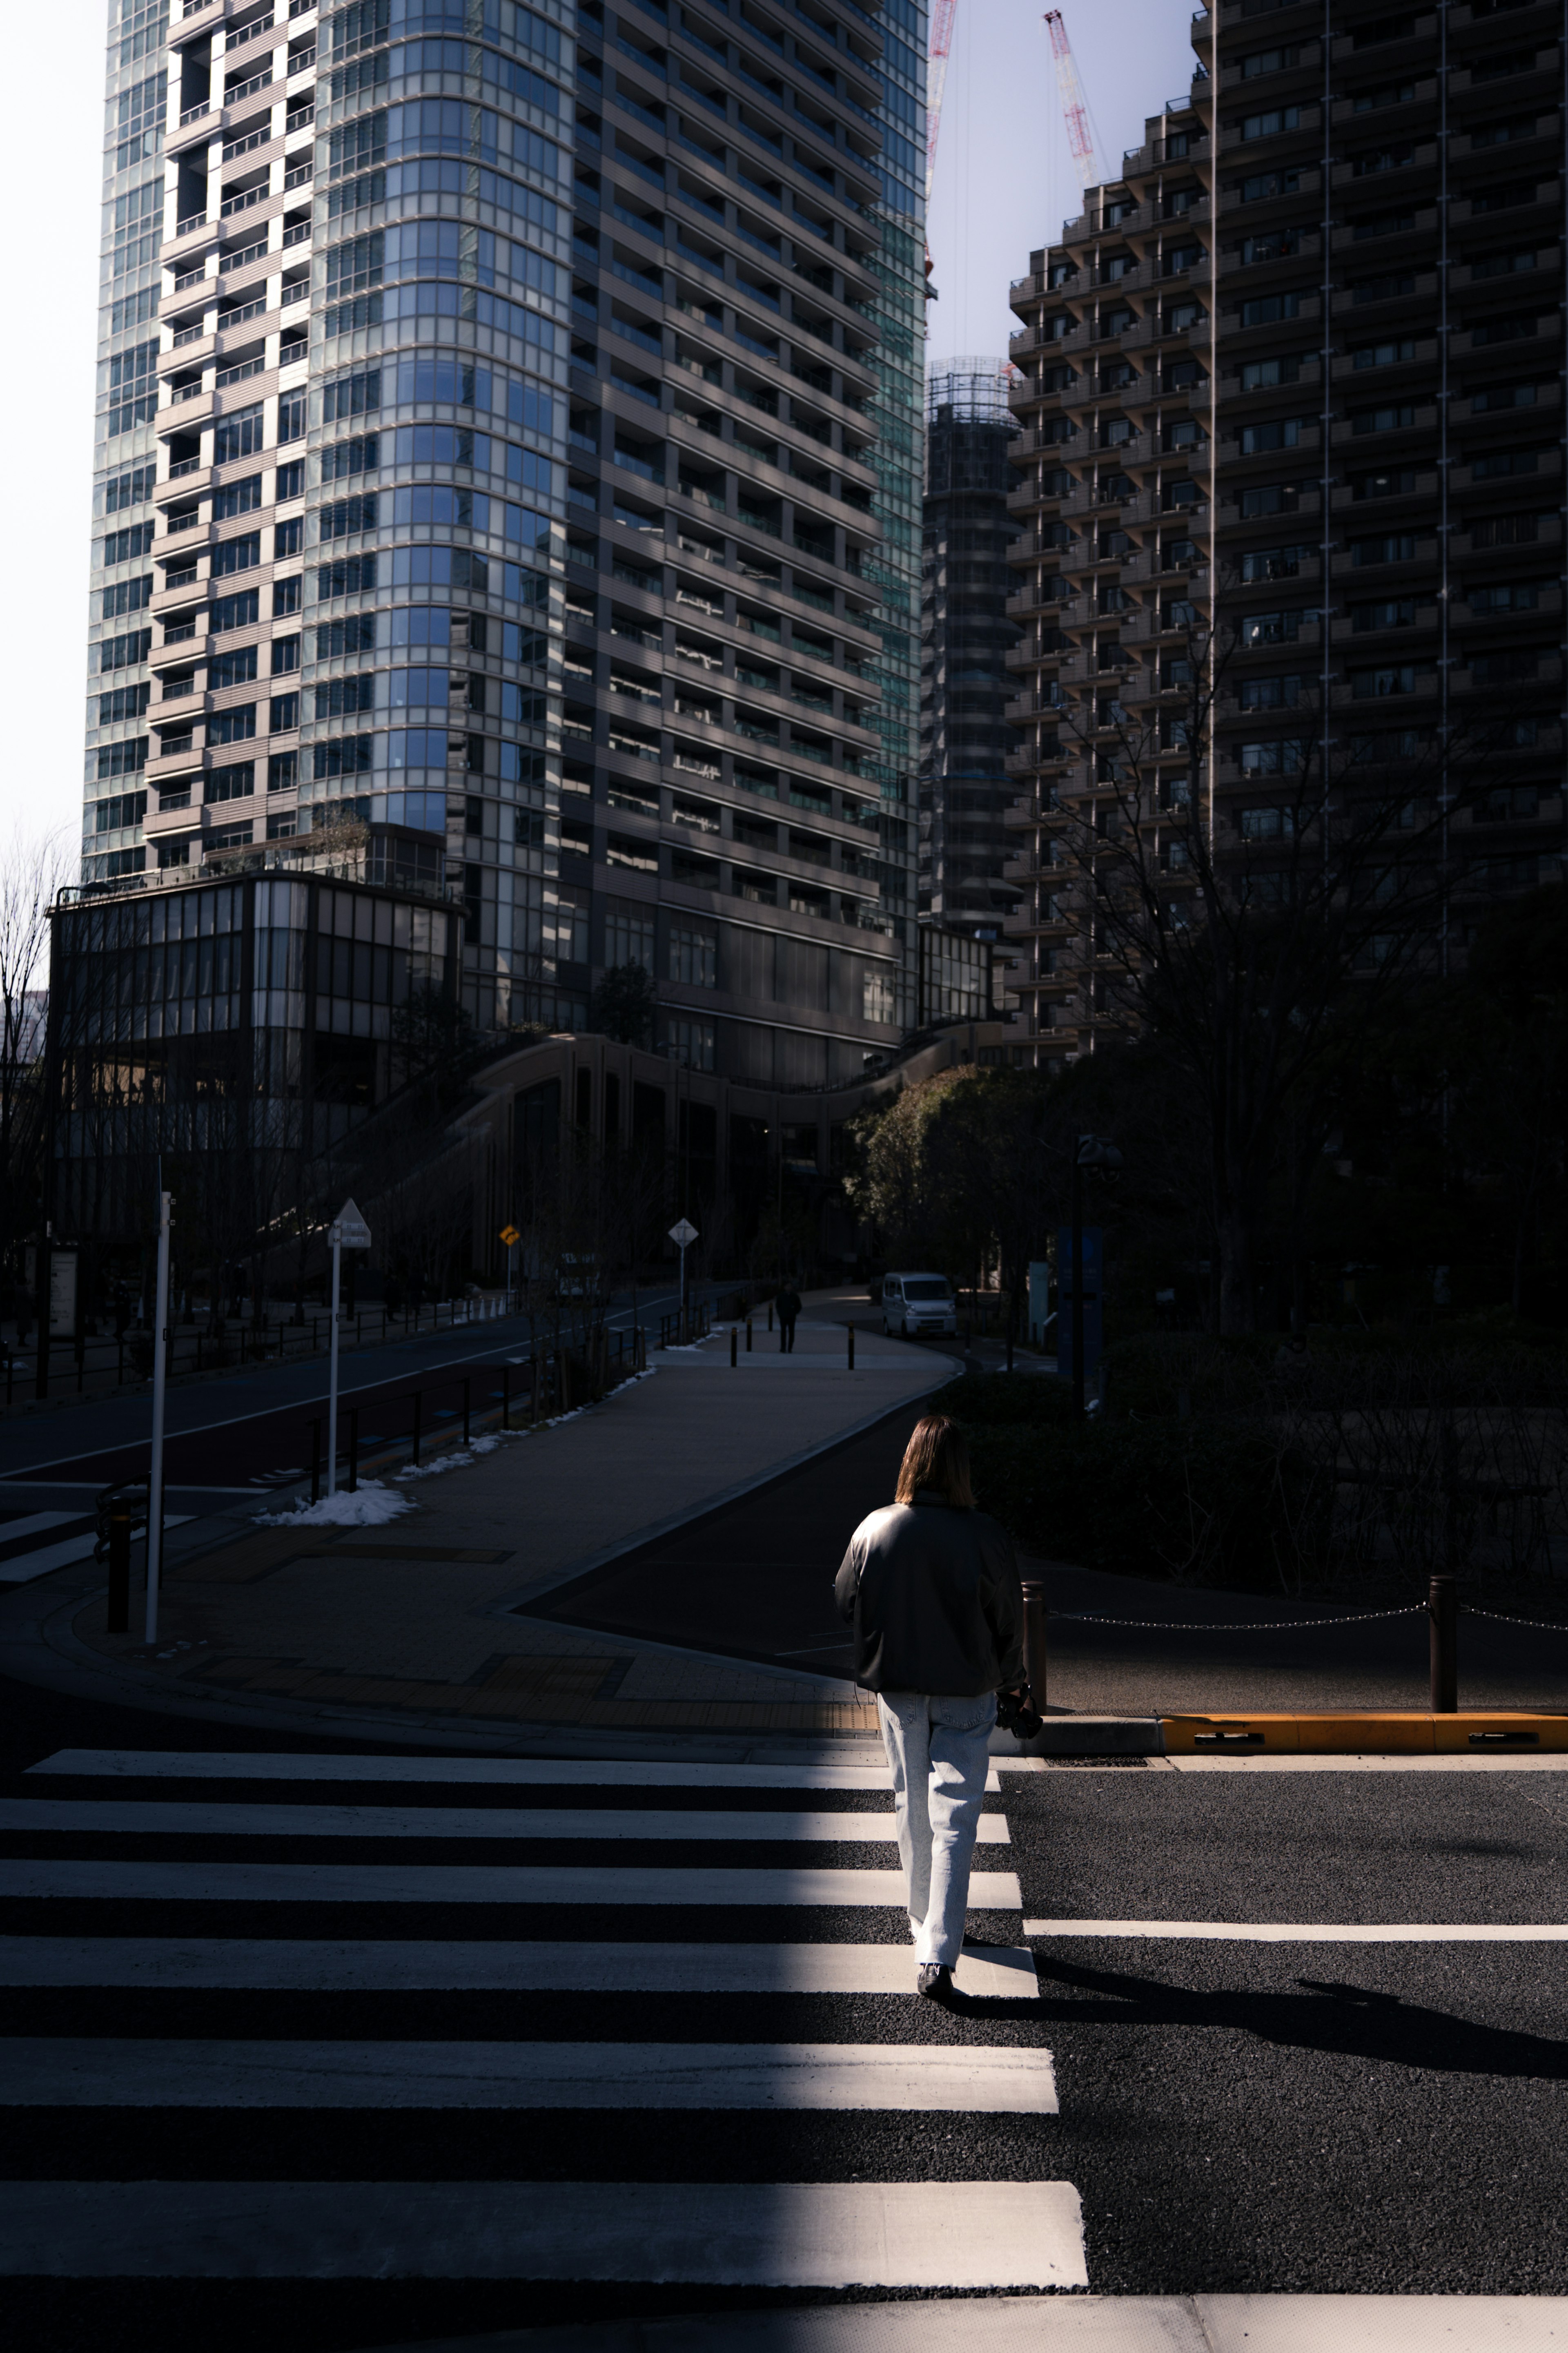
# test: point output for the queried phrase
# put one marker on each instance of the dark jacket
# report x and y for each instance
(786, 1306)
(934, 1598)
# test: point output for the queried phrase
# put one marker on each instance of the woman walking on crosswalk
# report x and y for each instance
(932, 1587)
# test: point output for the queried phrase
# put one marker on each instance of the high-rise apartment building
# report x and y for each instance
(1294, 378)
(507, 437)
(736, 811)
(966, 634)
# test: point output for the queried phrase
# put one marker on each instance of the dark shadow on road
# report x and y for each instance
(1352, 2021)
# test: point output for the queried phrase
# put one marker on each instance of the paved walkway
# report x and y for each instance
(416, 1622)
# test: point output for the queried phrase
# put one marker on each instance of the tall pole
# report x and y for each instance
(1077, 1405)
(160, 1380)
(683, 1291)
(335, 1237)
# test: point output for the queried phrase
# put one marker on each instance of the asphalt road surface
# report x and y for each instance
(754, 1578)
(326, 2088)
(241, 1433)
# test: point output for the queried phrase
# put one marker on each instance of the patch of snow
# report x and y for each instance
(370, 1505)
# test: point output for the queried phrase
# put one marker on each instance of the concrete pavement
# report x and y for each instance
(414, 1623)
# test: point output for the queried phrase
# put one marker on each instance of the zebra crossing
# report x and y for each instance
(328, 2019)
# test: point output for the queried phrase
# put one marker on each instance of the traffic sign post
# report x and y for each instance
(511, 1238)
(682, 1234)
(348, 1230)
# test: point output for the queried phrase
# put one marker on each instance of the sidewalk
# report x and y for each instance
(413, 1623)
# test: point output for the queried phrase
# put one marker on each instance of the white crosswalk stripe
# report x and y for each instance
(133, 1815)
(940, 2234)
(458, 1883)
(63, 2071)
(94, 1915)
(521, 1772)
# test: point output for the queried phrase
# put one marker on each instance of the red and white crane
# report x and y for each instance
(942, 19)
(1075, 111)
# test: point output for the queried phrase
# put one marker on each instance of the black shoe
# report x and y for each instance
(934, 1982)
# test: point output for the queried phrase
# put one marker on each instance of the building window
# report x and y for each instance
(877, 997)
(571, 927)
(628, 934)
(694, 958)
(691, 1043)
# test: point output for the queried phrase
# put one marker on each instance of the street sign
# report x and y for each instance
(510, 1237)
(683, 1233)
(352, 1231)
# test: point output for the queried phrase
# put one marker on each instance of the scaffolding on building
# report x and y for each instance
(973, 391)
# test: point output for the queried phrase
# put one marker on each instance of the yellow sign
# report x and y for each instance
(509, 1235)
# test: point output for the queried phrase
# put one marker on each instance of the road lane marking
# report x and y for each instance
(318, 1964)
(1310, 1932)
(100, 2071)
(21, 1568)
(137, 1817)
(543, 1772)
(942, 2234)
(604, 1884)
(1508, 1760)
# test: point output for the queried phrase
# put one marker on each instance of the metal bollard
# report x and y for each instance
(747, 1335)
(119, 1565)
(734, 1347)
(353, 1450)
(466, 1395)
(1009, 1351)
(1035, 1658)
(1443, 1611)
(769, 1316)
(506, 1397)
(851, 1347)
(315, 1462)
(418, 1414)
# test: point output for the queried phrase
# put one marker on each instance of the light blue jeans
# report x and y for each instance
(939, 1749)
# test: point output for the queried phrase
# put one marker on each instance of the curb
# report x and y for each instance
(1343, 1733)
(1489, 1731)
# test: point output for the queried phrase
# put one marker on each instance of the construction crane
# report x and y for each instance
(1074, 110)
(942, 19)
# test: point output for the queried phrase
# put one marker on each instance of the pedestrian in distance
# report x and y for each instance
(930, 1585)
(788, 1307)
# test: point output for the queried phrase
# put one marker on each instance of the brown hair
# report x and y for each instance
(937, 1457)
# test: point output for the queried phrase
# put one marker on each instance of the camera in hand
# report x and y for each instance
(1014, 1714)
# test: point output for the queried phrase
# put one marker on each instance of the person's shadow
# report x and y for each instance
(1325, 2014)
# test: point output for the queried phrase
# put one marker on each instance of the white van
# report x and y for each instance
(918, 1306)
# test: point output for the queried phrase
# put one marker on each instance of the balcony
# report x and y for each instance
(242, 91)
(233, 41)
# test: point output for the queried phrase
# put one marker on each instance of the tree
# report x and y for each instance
(33, 867)
(891, 1183)
(624, 1004)
(1256, 943)
(1508, 1042)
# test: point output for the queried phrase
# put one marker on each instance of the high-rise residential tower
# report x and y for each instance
(507, 444)
(741, 572)
(332, 424)
(1295, 377)
(966, 634)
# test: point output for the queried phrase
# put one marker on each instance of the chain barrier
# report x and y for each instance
(1541, 1625)
(1249, 1626)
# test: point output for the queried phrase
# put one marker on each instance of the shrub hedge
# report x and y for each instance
(1037, 1399)
(1198, 1503)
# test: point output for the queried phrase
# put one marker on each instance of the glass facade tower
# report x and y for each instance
(508, 435)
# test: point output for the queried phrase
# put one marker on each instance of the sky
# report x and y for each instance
(1004, 182)
(1005, 178)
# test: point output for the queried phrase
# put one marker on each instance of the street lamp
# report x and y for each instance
(1092, 1152)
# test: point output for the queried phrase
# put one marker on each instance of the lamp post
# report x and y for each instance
(1092, 1152)
(160, 1382)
